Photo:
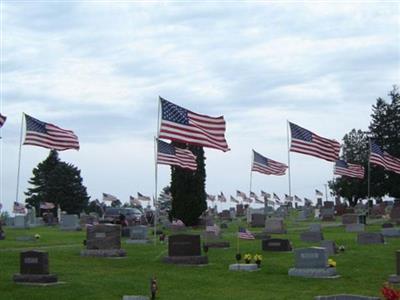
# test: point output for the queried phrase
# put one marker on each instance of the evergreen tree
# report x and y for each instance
(385, 129)
(57, 182)
(188, 189)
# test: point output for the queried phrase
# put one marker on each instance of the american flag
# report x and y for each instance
(307, 201)
(384, 159)
(167, 154)
(305, 142)
(288, 198)
(297, 199)
(134, 201)
(266, 195)
(276, 198)
(346, 169)
(210, 197)
(245, 234)
(19, 208)
(49, 136)
(318, 193)
(234, 199)
(2, 120)
(142, 197)
(221, 197)
(182, 125)
(267, 166)
(241, 194)
(109, 197)
(258, 201)
(47, 205)
(253, 195)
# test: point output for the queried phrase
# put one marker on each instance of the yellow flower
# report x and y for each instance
(257, 257)
(331, 263)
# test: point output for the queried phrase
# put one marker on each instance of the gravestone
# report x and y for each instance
(261, 236)
(225, 215)
(239, 210)
(2, 233)
(391, 232)
(349, 219)
(232, 212)
(329, 204)
(302, 215)
(395, 278)
(185, 249)
(340, 209)
(395, 213)
(34, 268)
(387, 225)
(137, 235)
(69, 223)
(362, 219)
(327, 214)
(377, 211)
(21, 222)
(276, 245)
(315, 227)
(367, 238)
(213, 238)
(103, 240)
(355, 227)
(350, 210)
(319, 202)
(311, 236)
(31, 217)
(177, 227)
(330, 247)
(274, 226)
(87, 220)
(345, 297)
(257, 220)
(312, 262)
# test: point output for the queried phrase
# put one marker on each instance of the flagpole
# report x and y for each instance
(19, 158)
(156, 172)
(288, 145)
(251, 172)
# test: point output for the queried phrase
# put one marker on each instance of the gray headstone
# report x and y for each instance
(355, 227)
(184, 245)
(366, 238)
(257, 220)
(103, 237)
(69, 222)
(21, 222)
(390, 232)
(345, 297)
(311, 236)
(138, 232)
(315, 227)
(330, 247)
(276, 245)
(274, 226)
(349, 219)
(311, 258)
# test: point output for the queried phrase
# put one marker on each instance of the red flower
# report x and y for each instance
(390, 294)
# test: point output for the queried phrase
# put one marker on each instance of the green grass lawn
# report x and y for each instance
(363, 269)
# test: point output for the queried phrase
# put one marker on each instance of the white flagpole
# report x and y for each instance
(155, 202)
(19, 158)
(288, 145)
(251, 172)
(369, 169)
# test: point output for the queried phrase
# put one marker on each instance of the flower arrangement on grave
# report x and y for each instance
(37, 236)
(331, 263)
(247, 258)
(257, 259)
(341, 248)
(389, 292)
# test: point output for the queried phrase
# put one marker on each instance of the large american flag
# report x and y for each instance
(134, 201)
(245, 234)
(276, 198)
(379, 157)
(49, 136)
(297, 199)
(305, 142)
(19, 208)
(2, 120)
(109, 197)
(210, 197)
(318, 193)
(346, 169)
(267, 166)
(182, 125)
(288, 198)
(221, 197)
(168, 154)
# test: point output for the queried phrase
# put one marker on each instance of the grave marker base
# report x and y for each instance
(314, 273)
(104, 253)
(244, 267)
(35, 278)
(186, 260)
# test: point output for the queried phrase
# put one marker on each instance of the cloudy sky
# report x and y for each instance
(98, 67)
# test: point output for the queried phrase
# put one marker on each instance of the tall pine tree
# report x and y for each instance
(188, 189)
(57, 182)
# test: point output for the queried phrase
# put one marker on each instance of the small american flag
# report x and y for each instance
(234, 200)
(49, 136)
(384, 159)
(19, 208)
(182, 125)
(288, 198)
(2, 120)
(245, 234)
(297, 199)
(318, 193)
(109, 197)
(276, 198)
(258, 201)
(134, 201)
(47, 205)
(142, 197)
(221, 197)
(241, 194)
(253, 195)
(305, 142)
(267, 166)
(210, 197)
(307, 201)
(266, 195)
(346, 169)
(167, 154)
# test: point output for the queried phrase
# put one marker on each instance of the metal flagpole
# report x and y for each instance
(326, 192)
(288, 145)
(369, 169)
(155, 202)
(251, 172)
(19, 157)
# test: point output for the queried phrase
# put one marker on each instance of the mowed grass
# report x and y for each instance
(363, 269)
